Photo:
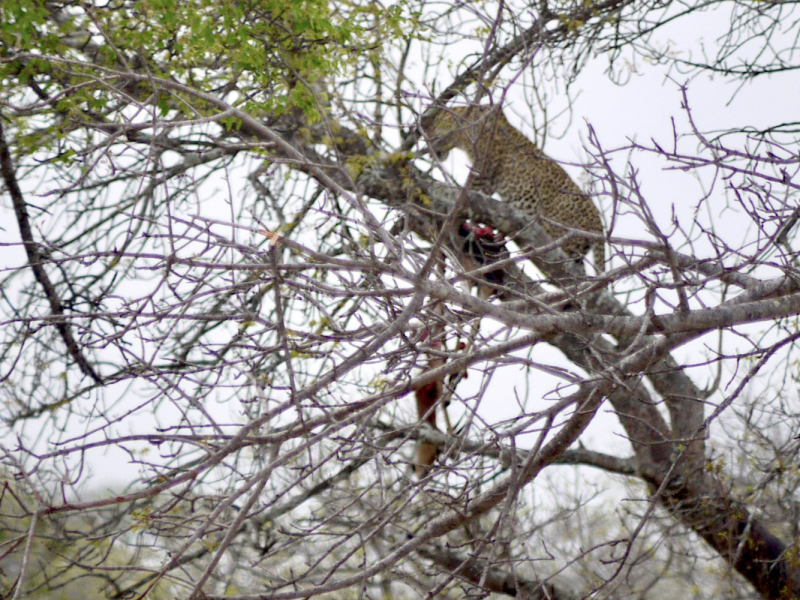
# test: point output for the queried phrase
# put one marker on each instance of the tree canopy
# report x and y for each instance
(232, 259)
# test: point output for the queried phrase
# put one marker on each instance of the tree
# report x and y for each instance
(231, 260)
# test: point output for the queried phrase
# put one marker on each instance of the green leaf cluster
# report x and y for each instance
(267, 56)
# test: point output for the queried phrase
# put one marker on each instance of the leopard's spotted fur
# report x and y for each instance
(510, 164)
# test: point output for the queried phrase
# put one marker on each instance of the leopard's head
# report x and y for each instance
(457, 127)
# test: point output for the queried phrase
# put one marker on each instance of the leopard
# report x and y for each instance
(506, 162)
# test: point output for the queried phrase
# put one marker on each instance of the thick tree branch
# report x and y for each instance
(36, 259)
